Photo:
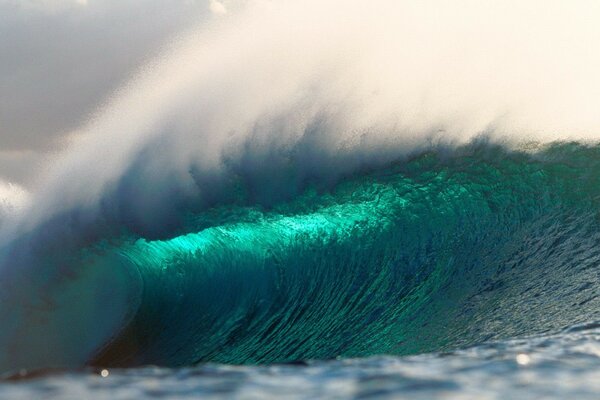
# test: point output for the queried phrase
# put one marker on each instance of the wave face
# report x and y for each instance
(445, 250)
(309, 179)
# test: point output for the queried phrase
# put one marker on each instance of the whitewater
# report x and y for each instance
(322, 199)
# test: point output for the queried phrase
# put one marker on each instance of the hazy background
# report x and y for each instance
(60, 59)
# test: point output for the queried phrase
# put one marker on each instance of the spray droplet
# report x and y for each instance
(523, 359)
(104, 373)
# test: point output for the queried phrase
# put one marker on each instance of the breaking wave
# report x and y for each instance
(319, 179)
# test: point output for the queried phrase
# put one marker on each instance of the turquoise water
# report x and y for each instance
(421, 256)
(477, 246)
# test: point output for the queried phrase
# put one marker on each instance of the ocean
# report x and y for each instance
(471, 273)
(559, 366)
(320, 199)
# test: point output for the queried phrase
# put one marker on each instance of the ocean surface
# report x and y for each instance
(562, 366)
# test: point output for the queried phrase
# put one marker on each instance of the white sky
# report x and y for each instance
(60, 59)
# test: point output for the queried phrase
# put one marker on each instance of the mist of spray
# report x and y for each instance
(330, 87)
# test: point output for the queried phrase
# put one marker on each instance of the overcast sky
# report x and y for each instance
(60, 59)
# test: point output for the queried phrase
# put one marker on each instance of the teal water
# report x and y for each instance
(449, 249)
(442, 251)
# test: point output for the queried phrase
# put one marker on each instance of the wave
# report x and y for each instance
(437, 252)
(318, 179)
(421, 256)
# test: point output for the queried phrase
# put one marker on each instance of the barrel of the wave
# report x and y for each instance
(383, 263)
(335, 274)
(59, 309)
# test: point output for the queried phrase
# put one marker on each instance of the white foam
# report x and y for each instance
(12, 197)
(375, 79)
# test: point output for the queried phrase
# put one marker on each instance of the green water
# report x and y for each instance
(437, 252)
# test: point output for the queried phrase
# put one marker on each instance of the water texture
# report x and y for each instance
(321, 199)
(442, 251)
(560, 366)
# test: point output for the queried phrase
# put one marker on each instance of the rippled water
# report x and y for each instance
(563, 366)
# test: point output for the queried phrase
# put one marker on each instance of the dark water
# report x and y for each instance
(477, 246)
